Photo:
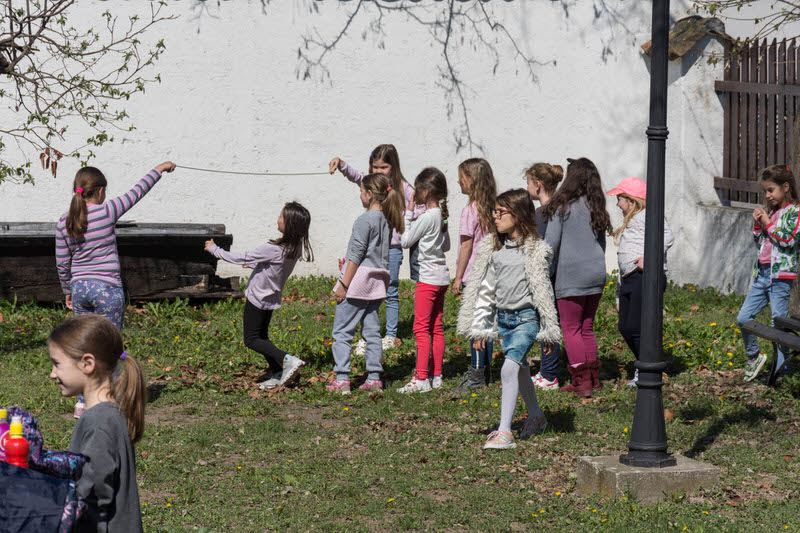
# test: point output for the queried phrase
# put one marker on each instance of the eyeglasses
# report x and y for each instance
(500, 212)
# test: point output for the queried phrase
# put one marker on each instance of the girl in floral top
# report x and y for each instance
(775, 230)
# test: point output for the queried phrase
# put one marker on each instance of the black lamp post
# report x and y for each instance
(648, 444)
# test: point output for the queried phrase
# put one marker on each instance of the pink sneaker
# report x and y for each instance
(543, 383)
(372, 385)
(342, 387)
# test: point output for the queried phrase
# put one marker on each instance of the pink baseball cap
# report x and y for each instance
(630, 186)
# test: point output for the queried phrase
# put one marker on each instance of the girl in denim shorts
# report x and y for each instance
(511, 297)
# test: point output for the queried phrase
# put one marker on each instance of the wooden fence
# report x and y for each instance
(761, 95)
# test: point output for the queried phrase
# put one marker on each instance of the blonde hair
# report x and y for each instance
(546, 174)
(95, 334)
(482, 189)
(390, 198)
(637, 206)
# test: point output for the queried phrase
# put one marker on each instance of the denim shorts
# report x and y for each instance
(518, 330)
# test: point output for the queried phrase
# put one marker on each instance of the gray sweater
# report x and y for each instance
(579, 253)
(513, 291)
(370, 240)
(108, 482)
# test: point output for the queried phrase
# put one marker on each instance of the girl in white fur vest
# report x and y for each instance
(510, 296)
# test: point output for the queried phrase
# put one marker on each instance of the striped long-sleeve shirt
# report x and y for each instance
(94, 256)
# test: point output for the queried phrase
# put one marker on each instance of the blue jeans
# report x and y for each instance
(518, 331)
(100, 298)
(392, 294)
(764, 290)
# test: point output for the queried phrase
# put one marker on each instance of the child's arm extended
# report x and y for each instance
(784, 232)
(266, 253)
(349, 172)
(120, 205)
(414, 229)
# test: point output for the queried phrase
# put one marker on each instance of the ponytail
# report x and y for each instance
(130, 393)
(87, 184)
(391, 199)
(445, 213)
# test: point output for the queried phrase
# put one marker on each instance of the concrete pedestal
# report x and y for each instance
(608, 477)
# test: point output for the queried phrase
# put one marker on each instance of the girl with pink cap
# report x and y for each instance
(629, 237)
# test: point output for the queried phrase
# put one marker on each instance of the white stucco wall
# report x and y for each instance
(230, 99)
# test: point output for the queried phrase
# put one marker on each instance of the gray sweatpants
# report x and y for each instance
(349, 314)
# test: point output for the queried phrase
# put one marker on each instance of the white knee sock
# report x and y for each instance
(509, 374)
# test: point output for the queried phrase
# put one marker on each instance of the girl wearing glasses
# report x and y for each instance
(511, 297)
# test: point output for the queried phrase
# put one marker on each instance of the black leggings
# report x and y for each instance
(630, 310)
(256, 335)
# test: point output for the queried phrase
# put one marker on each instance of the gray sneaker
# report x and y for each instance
(271, 383)
(533, 425)
(754, 367)
(473, 379)
(291, 369)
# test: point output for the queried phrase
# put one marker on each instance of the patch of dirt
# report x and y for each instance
(171, 415)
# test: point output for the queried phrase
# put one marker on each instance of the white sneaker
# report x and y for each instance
(415, 385)
(361, 347)
(544, 383)
(388, 343)
(436, 382)
(271, 383)
(291, 367)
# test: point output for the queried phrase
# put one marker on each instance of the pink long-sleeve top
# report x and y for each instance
(272, 269)
(94, 256)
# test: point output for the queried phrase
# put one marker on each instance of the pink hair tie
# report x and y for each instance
(388, 189)
(787, 168)
(79, 190)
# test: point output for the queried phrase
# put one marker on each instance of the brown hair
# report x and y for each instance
(583, 179)
(294, 240)
(779, 175)
(95, 334)
(482, 188)
(546, 174)
(388, 154)
(390, 197)
(521, 207)
(89, 179)
(637, 205)
(432, 182)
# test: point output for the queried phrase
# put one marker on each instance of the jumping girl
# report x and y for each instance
(629, 237)
(273, 263)
(84, 351)
(430, 232)
(576, 231)
(775, 230)
(385, 160)
(364, 280)
(476, 179)
(511, 297)
(542, 180)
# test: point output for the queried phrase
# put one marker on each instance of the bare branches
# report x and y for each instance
(782, 13)
(60, 75)
(453, 21)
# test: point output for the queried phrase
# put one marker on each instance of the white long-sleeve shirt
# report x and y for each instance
(433, 243)
(631, 245)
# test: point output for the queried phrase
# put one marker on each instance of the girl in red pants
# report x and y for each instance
(430, 231)
(576, 231)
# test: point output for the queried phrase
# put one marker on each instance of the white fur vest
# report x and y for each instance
(477, 318)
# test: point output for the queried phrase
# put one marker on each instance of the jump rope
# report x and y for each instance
(254, 173)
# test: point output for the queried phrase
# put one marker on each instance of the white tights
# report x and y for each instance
(516, 381)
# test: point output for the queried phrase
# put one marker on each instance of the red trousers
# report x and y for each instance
(428, 327)
(577, 325)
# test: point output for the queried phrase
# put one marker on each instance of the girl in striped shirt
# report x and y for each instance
(86, 245)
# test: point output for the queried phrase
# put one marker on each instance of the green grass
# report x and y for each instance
(218, 455)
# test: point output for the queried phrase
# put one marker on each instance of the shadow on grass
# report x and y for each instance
(154, 391)
(749, 416)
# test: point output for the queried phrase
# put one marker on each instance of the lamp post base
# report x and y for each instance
(648, 459)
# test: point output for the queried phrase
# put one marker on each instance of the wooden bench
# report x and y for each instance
(786, 332)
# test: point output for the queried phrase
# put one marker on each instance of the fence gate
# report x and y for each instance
(761, 94)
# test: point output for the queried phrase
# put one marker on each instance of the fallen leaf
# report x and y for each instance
(145, 455)
(669, 414)
(694, 308)
(167, 369)
(255, 394)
